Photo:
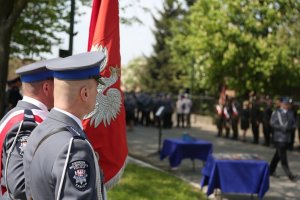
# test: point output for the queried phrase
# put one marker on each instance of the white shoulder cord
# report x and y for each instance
(8, 157)
(64, 169)
(280, 120)
(98, 181)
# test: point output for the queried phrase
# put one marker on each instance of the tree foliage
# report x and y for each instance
(134, 74)
(160, 70)
(36, 29)
(249, 45)
(29, 28)
(128, 13)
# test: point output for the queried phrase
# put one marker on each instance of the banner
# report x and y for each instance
(106, 125)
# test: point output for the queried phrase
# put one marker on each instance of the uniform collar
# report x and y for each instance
(76, 119)
(284, 110)
(35, 102)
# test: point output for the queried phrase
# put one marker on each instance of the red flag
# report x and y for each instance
(106, 126)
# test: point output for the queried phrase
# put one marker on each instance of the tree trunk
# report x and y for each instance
(9, 13)
(5, 36)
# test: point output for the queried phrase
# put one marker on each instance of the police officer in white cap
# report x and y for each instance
(16, 126)
(60, 162)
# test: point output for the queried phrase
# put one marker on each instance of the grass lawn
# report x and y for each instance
(142, 183)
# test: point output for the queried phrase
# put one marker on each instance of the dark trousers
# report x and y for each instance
(299, 134)
(255, 131)
(291, 144)
(234, 125)
(227, 124)
(180, 120)
(168, 120)
(188, 120)
(267, 133)
(280, 155)
(145, 120)
(219, 123)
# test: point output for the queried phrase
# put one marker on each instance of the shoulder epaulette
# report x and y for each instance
(28, 115)
(75, 133)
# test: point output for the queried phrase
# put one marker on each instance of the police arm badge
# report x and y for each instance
(79, 174)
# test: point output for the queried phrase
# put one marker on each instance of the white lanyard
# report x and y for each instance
(280, 120)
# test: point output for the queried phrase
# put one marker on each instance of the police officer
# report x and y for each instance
(13, 94)
(15, 127)
(255, 119)
(298, 123)
(219, 118)
(266, 116)
(245, 119)
(59, 161)
(227, 117)
(130, 105)
(235, 108)
(293, 109)
(168, 111)
(282, 122)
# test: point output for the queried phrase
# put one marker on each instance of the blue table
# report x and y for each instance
(236, 175)
(177, 149)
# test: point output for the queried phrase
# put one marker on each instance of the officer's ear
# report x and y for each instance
(84, 93)
(48, 88)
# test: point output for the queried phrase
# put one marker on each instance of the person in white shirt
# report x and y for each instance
(179, 111)
(187, 106)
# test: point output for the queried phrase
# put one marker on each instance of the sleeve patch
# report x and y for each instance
(79, 174)
(21, 143)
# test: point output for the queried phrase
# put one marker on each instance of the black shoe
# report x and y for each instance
(266, 144)
(274, 174)
(293, 178)
(290, 148)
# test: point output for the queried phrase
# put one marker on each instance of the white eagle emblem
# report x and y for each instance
(108, 105)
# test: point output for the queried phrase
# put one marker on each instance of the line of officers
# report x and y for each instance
(46, 155)
(252, 114)
(141, 108)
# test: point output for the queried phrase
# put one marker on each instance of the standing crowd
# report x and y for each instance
(141, 109)
(278, 121)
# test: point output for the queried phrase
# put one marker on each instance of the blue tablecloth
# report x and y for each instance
(236, 176)
(177, 149)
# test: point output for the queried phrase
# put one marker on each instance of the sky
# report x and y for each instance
(135, 40)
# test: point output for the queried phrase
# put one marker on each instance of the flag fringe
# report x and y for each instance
(114, 180)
